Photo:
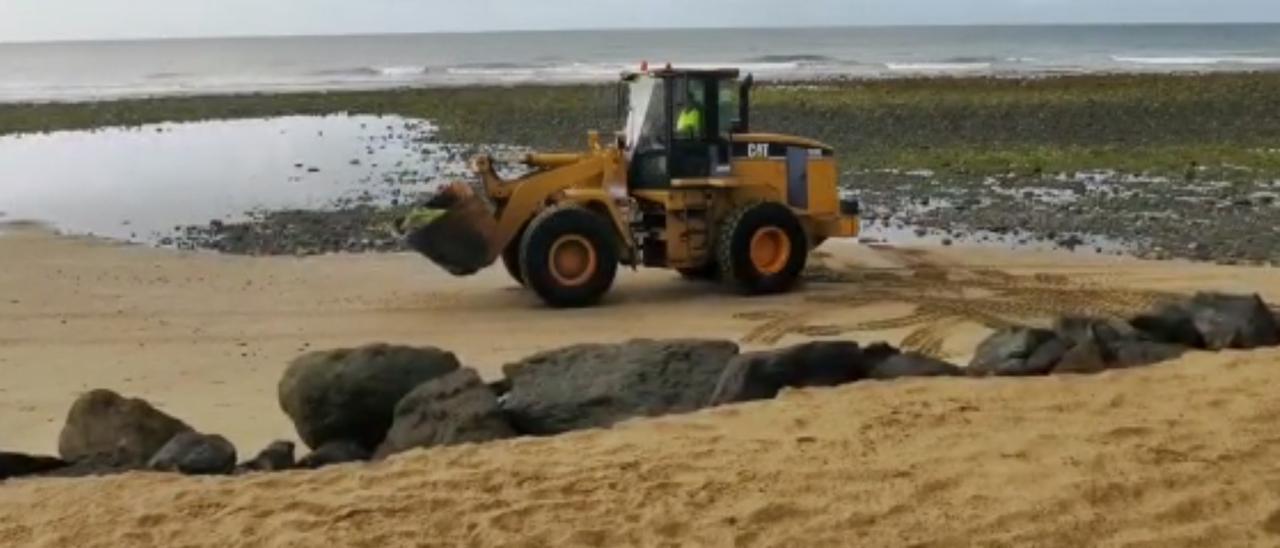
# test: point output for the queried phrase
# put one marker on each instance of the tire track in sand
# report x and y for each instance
(942, 295)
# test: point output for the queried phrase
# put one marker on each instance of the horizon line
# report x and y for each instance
(622, 29)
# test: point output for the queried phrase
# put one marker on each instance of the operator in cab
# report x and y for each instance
(689, 124)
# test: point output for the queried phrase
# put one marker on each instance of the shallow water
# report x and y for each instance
(143, 184)
(138, 184)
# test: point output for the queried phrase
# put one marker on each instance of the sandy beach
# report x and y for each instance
(1043, 309)
(1175, 455)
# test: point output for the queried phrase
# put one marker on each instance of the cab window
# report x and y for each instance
(728, 108)
(690, 103)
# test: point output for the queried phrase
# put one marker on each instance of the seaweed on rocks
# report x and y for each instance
(355, 229)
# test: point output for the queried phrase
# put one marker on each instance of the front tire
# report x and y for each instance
(511, 260)
(762, 249)
(569, 256)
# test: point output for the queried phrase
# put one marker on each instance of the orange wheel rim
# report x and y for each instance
(770, 250)
(573, 260)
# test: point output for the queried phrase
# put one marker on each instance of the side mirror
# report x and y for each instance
(744, 104)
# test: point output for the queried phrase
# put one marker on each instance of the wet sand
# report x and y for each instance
(1176, 455)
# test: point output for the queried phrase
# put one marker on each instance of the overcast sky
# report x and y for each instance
(26, 20)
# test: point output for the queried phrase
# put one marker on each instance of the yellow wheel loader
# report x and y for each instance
(685, 185)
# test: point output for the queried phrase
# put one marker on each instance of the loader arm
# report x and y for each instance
(525, 197)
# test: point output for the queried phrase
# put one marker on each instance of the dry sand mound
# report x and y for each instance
(1177, 455)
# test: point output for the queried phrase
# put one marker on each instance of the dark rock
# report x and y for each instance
(195, 454)
(1233, 321)
(1007, 352)
(102, 422)
(453, 409)
(351, 394)
(1071, 242)
(276, 457)
(335, 452)
(99, 464)
(1103, 331)
(761, 375)
(597, 385)
(1084, 358)
(878, 352)
(912, 365)
(500, 387)
(17, 465)
(1048, 355)
(1171, 324)
(1137, 353)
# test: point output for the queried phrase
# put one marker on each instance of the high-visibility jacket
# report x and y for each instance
(690, 123)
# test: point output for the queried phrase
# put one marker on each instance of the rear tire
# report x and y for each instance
(569, 256)
(762, 249)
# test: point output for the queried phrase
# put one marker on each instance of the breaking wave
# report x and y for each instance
(799, 58)
(972, 60)
(390, 72)
(938, 67)
(1197, 60)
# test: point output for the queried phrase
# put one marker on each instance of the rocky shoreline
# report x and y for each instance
(1104, 212)
(1151, 217)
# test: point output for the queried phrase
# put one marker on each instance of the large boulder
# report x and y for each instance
(912, 365)
(453, 409)
(1098, 344)
(351, 394)
(1085, 357)
(1233, 321)
(17, 465)
(1212, 321)
(276, 457)
(1170, 324)
(195, 454)
(333, 453)
(1078, 345)
(101, 464)
(1137, 353)
(1048, 355)
(1106, 332)
(597, 385)
(1012, 352)
(103, 425)
(761, 375)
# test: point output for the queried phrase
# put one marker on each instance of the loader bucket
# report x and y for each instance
(456, 231)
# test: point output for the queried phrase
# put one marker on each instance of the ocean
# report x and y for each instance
(102, 70)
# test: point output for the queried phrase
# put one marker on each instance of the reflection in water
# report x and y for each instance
(138, 184)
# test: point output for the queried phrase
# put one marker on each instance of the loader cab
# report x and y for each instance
(655, 102)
